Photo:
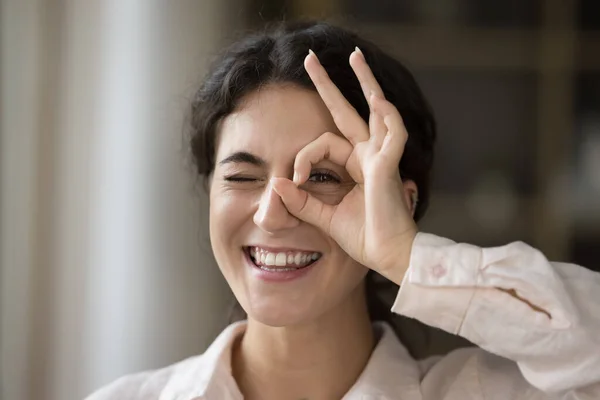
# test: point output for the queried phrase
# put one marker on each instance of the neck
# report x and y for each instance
(319, 359)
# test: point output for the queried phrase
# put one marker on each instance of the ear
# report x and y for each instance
(411, 195)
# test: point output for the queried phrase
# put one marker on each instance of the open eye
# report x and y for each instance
(323, 177)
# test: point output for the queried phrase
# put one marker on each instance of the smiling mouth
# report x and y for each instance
(285, 261)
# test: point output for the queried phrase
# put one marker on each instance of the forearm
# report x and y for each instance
(512, 302)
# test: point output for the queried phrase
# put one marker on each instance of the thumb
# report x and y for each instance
(302, 205)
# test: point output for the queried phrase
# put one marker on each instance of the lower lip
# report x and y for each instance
(278, 276)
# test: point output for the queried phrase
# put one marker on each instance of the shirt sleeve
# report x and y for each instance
(513, 302)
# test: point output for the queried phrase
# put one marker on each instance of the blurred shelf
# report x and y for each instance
(456, 47)
(526, 59)
(500, 13)
(588, 17)
(588, 57)
(452, 216)
(465, 102)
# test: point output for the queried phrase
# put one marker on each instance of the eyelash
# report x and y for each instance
(235, 178)
(329, 177)
(325, 177)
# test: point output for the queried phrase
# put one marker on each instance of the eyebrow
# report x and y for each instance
(243, 157)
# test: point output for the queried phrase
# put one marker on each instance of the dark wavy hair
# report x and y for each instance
(276, 55)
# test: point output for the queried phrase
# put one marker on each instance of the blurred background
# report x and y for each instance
(106, 266)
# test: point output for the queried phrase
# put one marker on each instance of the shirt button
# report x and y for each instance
(438, 271)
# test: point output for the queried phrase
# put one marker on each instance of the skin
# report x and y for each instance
(318, 179)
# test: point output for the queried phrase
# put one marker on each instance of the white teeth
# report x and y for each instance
(280, 259)
(270, 259)
(293, 260)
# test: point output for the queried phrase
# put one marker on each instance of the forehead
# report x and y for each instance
(275, 120)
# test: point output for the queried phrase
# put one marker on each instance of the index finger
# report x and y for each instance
(327, 146)
(346, 118)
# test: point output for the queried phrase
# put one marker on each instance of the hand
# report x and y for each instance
(373, 222)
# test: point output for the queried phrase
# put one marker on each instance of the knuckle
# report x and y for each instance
(337, 118)
(327, 136)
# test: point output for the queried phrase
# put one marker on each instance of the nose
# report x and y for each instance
(271, 215)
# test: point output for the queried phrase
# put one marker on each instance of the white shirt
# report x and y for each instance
(523, 353)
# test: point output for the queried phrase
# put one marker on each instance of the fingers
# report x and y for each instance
(396, 136)
(386, 133)
(349, 122)
(302, 205)
(327, 146)
(369, 86)
(365, 76)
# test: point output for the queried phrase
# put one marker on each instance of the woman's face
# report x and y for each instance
(283, 271)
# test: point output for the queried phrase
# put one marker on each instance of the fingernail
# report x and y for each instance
(358, 50)
(295, 178)
(274, 185)
(274, 188)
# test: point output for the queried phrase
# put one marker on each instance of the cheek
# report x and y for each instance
(228, 212)
(228, 215)
(349, 269)
(346, 272)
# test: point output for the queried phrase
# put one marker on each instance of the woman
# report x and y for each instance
(317, 177)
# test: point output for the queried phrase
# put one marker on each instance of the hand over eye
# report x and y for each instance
(373, 222)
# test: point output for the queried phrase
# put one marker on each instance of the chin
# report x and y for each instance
(278, 321)
(279, 315)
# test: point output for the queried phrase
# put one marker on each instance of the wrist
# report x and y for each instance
(397, 261)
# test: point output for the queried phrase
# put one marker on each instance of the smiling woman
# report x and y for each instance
(318, 170)
(250, 213)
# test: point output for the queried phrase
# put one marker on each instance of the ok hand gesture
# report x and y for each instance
(373, 223)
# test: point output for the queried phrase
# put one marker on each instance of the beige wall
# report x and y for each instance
(105, 260)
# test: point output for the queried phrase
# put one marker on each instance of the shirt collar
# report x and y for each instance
(390, 372)
(208, 375)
